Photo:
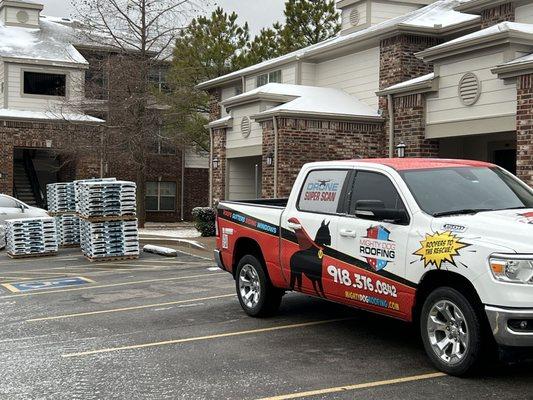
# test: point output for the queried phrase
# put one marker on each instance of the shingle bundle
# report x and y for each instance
(31, 237)
(68, 230)
(102, 199)
(61, 197)
(108, 239)
(77, 186)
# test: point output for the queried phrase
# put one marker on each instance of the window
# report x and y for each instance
(161, 196)
(163, 145)
(322, 191)
(271, 77)
(375, 186)
(466, 188)
(44, 84)
(6, 202)
(158, 77)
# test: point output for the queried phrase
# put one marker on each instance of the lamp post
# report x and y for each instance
(400, 150)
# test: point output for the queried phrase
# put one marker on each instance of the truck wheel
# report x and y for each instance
(451, 331)
(256, 294)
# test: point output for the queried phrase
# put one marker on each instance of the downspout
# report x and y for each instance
(275, 125)
(391, 125)
(182, 194)
(211, 142)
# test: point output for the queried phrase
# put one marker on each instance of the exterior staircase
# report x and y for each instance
(22, 183)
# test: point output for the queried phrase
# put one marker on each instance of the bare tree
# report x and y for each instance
(131, 41)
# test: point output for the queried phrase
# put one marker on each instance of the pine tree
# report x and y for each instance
(308, 22)
(211, 46)
(265, 45)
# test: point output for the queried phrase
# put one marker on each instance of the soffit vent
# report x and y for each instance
(469, 89)
(246, 127)
(354, 17)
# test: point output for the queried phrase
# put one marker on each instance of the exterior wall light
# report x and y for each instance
(270, 159)
(216, 163)
(400, 150)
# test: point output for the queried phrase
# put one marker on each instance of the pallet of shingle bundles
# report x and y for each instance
(31, 237)
(109, 240)
(77, 186)
(105, 200)
(61, 198)
(68, 230)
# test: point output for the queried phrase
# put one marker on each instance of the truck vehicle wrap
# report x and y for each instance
(445, 243)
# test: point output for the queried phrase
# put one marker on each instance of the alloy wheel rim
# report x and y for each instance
(249, 286)
(448, 332)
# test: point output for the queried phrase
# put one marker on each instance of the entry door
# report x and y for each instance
(374, 251)
(309, 230)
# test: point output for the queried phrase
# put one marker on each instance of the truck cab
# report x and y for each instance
(442, 243)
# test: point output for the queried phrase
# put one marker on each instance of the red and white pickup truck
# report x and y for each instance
(447, 244)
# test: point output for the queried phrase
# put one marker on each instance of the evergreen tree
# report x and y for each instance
(265, 45)
(209, 47)
(308, 22)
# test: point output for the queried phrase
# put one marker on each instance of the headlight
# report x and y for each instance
(512, 270)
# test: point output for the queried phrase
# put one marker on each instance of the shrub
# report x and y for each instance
(204, 218)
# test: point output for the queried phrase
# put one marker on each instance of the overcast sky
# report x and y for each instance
(258, 13)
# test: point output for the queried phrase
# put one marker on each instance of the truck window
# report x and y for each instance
(322, 191)
(375, 186)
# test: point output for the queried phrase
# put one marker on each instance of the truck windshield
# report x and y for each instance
(466, 190)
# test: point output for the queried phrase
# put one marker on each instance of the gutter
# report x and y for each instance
(391, 125)
(266, 115)
(276, 139)
(513, 70)
(182, 189)
(420, 87)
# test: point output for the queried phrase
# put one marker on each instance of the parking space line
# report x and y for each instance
(114, 310)
(200, 338)
(200, 276)
(366, 385)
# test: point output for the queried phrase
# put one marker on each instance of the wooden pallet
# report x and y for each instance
(110, 218)
(34, 255)
(69, 246)
(113, 258)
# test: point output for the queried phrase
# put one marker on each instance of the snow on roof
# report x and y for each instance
(220, 122)
(46, 115)
(411, 82)
(312, 100)
(520, 60)
(49, 42)
(515, 27)
(438, 15)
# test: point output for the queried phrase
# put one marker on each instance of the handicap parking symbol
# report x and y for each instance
(46, 284)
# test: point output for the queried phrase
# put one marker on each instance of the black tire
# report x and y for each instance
(470, 322)
(268, 298)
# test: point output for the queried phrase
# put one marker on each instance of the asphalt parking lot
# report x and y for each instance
(160, 328)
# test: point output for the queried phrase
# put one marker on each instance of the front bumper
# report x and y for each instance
(503, 334)
(218, 260)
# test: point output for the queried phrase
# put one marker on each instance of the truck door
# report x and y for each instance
(309, 229)
(370, 270)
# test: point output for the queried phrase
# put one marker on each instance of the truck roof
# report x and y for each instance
(404, 164)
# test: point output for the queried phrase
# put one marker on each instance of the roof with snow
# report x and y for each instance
(494, 32)
(49, 43)
(6, 113)
(438, 17)
(421, 82)
(299, 100)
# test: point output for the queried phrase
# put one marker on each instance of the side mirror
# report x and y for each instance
(375, 210)
(22, 208)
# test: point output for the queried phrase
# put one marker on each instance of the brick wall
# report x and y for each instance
(196, 190)
(524, 128)
(409, 127)
(301, 141)
(219, 174)
(495, 15)
(74, 142)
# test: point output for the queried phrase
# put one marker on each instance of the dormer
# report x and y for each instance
(360, 14)
(21, 13)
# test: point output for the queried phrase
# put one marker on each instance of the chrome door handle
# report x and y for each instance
(294, 226)
(347, 233)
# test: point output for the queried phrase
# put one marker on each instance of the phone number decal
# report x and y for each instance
(362, 282)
